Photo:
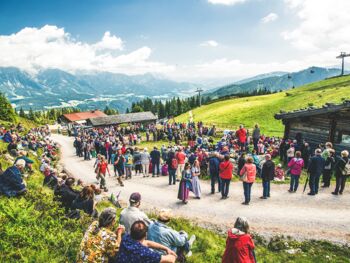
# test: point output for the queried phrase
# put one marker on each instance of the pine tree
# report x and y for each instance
(110, 111)
(178, 106)
(161, 111)
(137, 108)
(22, 113)
(31, 115)
(6, 111)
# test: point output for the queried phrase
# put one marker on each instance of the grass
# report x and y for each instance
(261, 109)
(33, 228)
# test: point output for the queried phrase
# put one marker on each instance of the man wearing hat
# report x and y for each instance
(11, 181)
(132, 213)
(160, 232)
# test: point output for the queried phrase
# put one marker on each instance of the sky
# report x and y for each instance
(185, 40)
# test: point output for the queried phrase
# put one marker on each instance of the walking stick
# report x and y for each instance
(307, 180)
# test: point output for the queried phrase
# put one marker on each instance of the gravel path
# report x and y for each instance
(297, 215)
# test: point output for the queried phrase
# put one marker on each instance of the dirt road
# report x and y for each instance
(298, 215)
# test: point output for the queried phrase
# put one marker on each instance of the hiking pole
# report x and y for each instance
(307, 180)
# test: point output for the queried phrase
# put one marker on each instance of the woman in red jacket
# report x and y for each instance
(239, 244)
(226, 168)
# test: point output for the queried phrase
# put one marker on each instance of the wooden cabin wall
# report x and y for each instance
(343, 122)
(314, 129)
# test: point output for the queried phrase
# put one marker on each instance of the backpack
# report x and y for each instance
(346, 170)
(165, 169)
(174, 163)
(130, 160)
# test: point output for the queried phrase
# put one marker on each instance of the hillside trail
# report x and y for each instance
(321, 217)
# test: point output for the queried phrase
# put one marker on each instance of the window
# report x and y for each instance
(345, 138)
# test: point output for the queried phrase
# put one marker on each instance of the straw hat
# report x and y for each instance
(165, 215)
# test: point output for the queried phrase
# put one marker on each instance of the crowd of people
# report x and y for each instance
(136, 239)
(192, 153)
(197, 153)
(12, 180)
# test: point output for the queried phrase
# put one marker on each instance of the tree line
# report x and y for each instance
(167, 108)
(177, 106)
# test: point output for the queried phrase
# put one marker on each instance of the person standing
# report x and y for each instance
(241, 162)
(296, 166)
(172, 166)
(306, 153)
(214, 163)
(248, 175)
(342, 171)
(256, 136)
(267, 175)
(181, 158)
(137, 161)
(315, 169)
(155, 159)
(118, 165)
(226, 168)
(145, 159)
(328, 168)
(102, 169)
(128, 164)
(185, 184)
(196, 187)
(242, 137)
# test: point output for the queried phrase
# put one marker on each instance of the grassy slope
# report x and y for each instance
(261, 109)
(34, 229)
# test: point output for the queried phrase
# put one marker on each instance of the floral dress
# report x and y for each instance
(97, 245)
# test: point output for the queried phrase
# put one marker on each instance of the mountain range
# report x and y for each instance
(55, 88)
(274, 81)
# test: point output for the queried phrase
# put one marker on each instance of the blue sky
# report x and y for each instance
(184, 39)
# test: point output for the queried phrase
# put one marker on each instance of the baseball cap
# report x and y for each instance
(135, 197)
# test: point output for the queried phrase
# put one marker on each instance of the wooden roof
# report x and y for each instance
(311, 111)
(123, 118)
(79, 116)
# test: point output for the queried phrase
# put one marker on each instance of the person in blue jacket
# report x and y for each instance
(214, 163)
(315, 169)
(11, 181)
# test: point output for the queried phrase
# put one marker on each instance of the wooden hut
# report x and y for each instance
(319, 125)
(137, 117)
(79, 117)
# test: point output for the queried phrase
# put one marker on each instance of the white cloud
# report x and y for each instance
(226, 2)
(110, 42)
(51, 47)
(269, 18)
(323, 30)
(226, 68)
(209, 43)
